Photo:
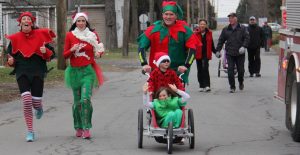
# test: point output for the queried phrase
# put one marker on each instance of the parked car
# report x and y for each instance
(194, 26)
(245, 24)
(274, 26)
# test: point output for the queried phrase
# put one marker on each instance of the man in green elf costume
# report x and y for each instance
(172, 36)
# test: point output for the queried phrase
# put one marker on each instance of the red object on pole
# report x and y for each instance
(284, 18)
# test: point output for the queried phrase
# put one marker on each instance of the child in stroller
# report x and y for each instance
(167, 105)
(166, 113)
(163, 74)
(163, 83)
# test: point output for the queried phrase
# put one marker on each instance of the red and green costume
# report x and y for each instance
(178, 41)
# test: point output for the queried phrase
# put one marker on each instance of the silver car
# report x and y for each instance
(274, 26)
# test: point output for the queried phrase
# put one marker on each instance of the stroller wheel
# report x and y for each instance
(140, 128)
(191, 128)
(170, 138)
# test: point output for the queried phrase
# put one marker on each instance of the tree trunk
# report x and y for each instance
(193, 12)
(151, 11)
(126, 27)
(110, 21)
(188, 15)
(134, 28)
(199, 10)
(61, 7)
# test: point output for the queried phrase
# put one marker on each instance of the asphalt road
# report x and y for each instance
(248, 122)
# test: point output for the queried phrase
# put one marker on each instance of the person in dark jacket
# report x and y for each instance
(267, 36)
(236, 37)
(204, 54)
(256, 41)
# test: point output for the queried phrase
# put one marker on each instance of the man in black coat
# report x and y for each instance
(237, 38)
(256, 41)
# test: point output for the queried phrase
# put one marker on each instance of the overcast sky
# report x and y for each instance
(224, 7)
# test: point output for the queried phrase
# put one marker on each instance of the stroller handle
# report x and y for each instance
(145, 73)
(180, 76)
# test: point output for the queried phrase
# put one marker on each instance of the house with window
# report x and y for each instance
(45, 13)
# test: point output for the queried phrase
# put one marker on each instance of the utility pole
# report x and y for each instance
(61, 7)
(126, 28)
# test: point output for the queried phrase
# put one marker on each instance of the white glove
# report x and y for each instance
(218, 54)
(242, 50)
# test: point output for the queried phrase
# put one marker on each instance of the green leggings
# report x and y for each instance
(173, 116)
(82, 107)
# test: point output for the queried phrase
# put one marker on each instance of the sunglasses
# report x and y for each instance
(165, 60)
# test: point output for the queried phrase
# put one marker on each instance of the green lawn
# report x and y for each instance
(117, 53)
(53, 75)
(58, 75)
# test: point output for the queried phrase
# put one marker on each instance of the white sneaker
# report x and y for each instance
(201, 89)
(207, 89)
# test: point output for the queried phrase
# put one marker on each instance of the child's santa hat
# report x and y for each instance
(159, 57)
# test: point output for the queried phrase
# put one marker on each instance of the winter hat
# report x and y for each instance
(80, 14)
(159, 57)
(26, 14)
(174, 7)
(232, 14)
(252, 18)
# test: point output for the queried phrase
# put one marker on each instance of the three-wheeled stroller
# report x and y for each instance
(168, 135)
(223, 65)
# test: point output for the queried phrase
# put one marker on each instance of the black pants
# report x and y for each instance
(36, 86)
(237, 61)
(267, 45)
(203, 72)
(254, 61)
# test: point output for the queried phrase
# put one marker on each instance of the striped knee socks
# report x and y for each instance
(27, 108)
(36, 102)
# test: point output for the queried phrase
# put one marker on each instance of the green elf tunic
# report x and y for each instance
(177, 41)
(168, 110)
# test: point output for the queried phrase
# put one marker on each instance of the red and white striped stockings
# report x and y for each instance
(30, 102)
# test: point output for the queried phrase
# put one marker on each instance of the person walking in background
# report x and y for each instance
(82, 45)
(28, 51)
(204, 54)
(236, 37)
(172, 36)
(267, 36)
(256, 41)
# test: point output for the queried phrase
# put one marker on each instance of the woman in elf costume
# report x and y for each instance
(172, 36)
(82, 45)
(28, 52)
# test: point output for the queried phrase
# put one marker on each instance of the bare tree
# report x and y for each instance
(61, 8)
(110, 20)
